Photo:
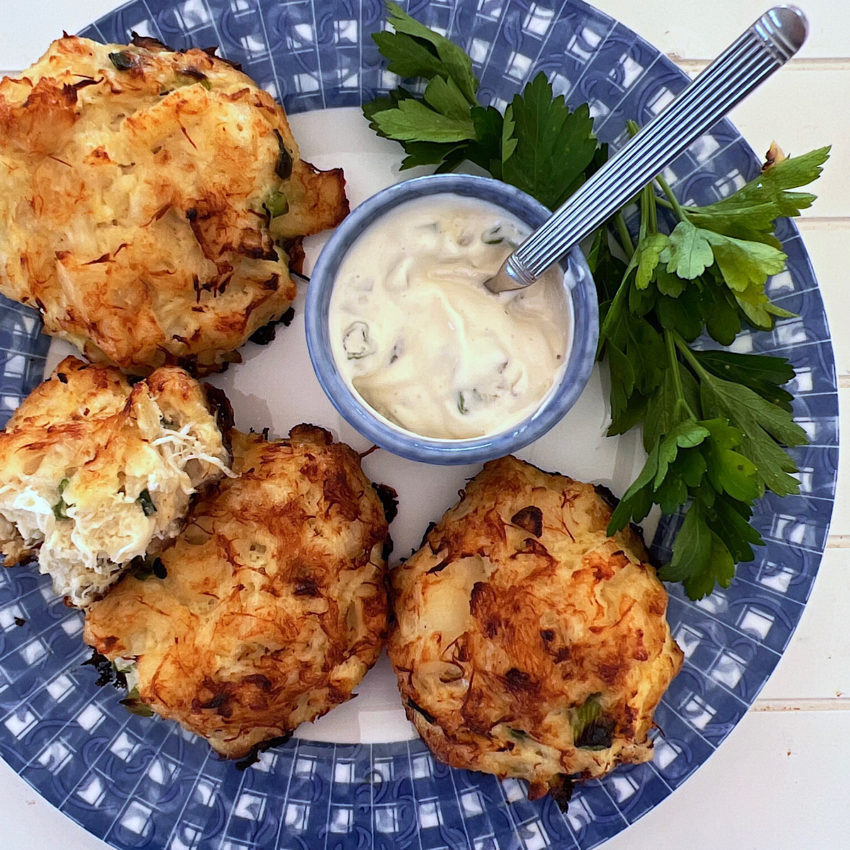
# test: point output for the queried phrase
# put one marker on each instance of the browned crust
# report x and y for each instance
(83, 423)
(136, 213)
(273, 607)
(519, 608)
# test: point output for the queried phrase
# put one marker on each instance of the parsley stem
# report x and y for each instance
(645, 203)
(648, 211)
(672, 341)
(652, 210)
(668, 206)
(689, 356)
(623, 233)
(674, 202)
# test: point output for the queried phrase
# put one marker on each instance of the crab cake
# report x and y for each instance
(96, 472)
(527, 642)
(152, 202)
(270, 607)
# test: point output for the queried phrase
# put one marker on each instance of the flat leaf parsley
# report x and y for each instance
(716, 424)
(538, 144)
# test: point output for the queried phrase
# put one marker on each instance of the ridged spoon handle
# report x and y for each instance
(767, 45)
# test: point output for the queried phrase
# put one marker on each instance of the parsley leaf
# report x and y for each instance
(408, 57)
(688, 253)
(437, 128)
(494, 141)
(414, 121)
(445, 97)
(445, 155)
(607, 268)
(750, 212)
(414, 50)
(743, 263)
(700, 556)
(133, 703)
(764, 427)
(686, 435)
(647, 256)
(538, 144)
(760, 372)
(382, 104)
(418, 152)
(720, 309)
(554, 146)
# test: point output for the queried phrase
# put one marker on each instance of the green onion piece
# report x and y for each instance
(492, 237)
(356, 342)
(145, 500)
(283, 167)
(134, 704)
(591, 730)
(60, 509)
(189, 79)
(143, 569)
(277, 204)
(123, 60)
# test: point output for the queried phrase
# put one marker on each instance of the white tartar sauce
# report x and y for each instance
(424, 343)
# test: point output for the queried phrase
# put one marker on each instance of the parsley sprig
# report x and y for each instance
(715, 424)
(538, 144)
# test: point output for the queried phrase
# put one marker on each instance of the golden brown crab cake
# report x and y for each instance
(96, 471)
(152, 202)
(527, 642)
(272, 604)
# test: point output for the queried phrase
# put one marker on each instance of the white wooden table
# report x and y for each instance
(780, 780)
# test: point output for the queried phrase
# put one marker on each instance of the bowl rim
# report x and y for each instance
(553, 407)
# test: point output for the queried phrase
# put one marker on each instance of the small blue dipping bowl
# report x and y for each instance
(580, 356)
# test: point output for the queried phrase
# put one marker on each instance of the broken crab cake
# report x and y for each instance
(152, 202)
(96, 472)
(269, 608)
(527, 642)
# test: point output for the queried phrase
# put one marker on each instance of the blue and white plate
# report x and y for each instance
(143, 783)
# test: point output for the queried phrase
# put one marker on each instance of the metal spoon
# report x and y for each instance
(767, 45)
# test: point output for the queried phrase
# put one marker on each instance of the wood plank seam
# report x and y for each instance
(818, 63)
(837, 703)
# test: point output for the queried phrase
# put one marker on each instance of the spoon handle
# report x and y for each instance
(773, 39)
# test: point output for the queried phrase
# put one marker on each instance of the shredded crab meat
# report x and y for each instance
(86, 516)
(178, 447)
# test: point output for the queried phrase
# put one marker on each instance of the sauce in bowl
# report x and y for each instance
(420, 339)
